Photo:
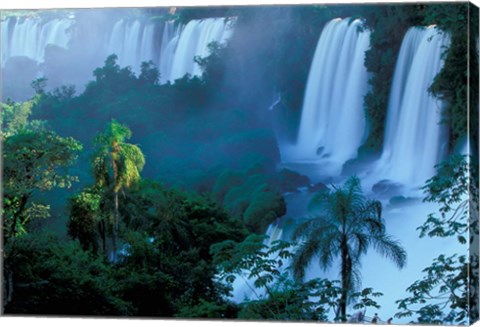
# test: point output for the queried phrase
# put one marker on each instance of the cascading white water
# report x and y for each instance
(171, 34)
(192, 42)
(147, 48)
(29, 37)
(415, 141)
(132, 42)
(332, 124)
(4, 29)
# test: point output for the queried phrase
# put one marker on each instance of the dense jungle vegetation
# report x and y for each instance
(117, 202)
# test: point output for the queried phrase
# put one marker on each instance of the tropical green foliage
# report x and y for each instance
(15, 117)
(86, 222)
(35, 160)
(441, 296)
(454, 189)
(179, 120)
(164, 266)
(262, 265)
(448, 290)
(56, 277)
(165, 239)
(116, 166)
(252, 195)
(456, 76)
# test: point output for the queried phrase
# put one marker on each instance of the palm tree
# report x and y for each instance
(117, 165)
(347, 225)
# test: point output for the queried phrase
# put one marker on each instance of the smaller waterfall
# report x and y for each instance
(415, 141)
(147, 49)
(4, 29)
(132, 42)
(332, 124)
(29, 37)
(193, 41)
(171, 34)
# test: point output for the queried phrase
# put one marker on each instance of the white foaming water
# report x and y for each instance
(3, 41)
(171, 34)
(415, 141)
(147, 49)
(29, 37)
(332, 125)
(132, 42)
(193, 41)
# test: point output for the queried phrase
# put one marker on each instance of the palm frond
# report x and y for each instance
(360, 243)
(303, 256)
(119, 131)
(390, 248)
(356, 277)
(374, 226)
(310, 226)
(345, 214)
(371, 209)
(330, 239)
(319, 200)
(101, 170)
(132, 152)
(353, 189)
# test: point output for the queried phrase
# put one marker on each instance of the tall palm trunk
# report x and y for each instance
(345, 272)
(10, 287)
(8, 292)
(115, 226)
(101, 231)
(115, 197)
(17, 215)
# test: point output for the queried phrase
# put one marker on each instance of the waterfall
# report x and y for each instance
(29, 37)
(192, 42)
(132, 43)
(179, 45)
(415, 141)
(332, 124)
(171, 34)
(147, 48)
(4, 29)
